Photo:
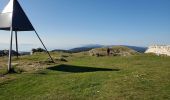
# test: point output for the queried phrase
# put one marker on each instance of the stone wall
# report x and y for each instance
(159, 49)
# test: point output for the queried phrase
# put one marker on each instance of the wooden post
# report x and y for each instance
(10, 52)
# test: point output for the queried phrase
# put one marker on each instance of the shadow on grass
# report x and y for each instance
(79, 69)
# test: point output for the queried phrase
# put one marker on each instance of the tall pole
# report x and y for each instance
(10, 52)
(44, 46)
(16, 39)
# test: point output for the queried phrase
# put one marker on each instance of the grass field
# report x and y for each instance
(83, 77)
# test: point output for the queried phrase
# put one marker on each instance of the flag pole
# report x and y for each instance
(16, 39)
(44, 46)
(10, 51)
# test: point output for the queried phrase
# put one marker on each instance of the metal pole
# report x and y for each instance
(16, 38)
(10, 52)
(44, 46)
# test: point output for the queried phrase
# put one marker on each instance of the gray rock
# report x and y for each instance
(6, 53)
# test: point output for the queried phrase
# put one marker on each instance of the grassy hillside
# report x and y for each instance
(85, 77)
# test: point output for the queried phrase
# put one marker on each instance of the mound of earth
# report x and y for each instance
(114, 51)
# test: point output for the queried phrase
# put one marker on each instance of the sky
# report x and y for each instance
(64, 24)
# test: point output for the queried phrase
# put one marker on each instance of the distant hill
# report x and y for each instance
(138, 49)
(90, 47)
(85, 48)
(93, 46)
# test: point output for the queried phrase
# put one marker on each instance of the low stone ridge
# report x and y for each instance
(159, 50)
(114, 51)
(6, 53)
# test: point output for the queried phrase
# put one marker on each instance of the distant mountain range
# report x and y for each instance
(89, 47)
(85, 48)
(138, 49)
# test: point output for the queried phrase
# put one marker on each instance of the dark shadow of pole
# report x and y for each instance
(78, 69)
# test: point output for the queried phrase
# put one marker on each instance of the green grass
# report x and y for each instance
(138, 77)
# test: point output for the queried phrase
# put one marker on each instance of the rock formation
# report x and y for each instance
(159, 49)
(114, 51)
(6, 53)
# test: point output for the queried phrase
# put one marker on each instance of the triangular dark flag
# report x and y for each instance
(13, 18)
(14, 12)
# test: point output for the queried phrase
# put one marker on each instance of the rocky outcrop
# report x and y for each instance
(114, 51)
(2, 53)
(159, 49)
(6, 53)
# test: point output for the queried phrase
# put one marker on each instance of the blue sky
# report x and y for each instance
(69, 23)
